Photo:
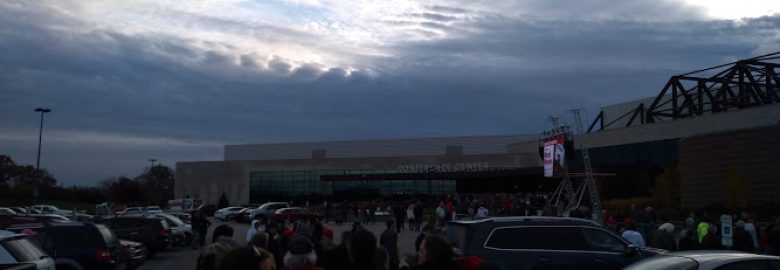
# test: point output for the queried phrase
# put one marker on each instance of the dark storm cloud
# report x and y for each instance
(157, 95)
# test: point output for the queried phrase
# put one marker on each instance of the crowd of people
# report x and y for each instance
(310, 245)
(701, 232)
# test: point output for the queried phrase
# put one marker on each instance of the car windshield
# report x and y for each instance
(664, 263)
(23, 249)
(172, 220)
(107, 234)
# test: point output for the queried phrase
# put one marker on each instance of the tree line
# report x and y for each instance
(23, 184)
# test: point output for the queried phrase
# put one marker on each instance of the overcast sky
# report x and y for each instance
(176, 80)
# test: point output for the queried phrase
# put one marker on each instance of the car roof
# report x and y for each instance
(271, 203)
(716, 258)
(541, 220)
(53, 224)
(7, 234)
(290, 208)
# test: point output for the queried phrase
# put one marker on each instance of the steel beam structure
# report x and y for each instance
(742, 84)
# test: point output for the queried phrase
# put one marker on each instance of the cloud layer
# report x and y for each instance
(175, 80)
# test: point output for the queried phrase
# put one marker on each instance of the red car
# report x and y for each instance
(293, 214)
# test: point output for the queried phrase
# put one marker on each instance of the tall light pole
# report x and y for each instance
(40, 136)
(152, 160)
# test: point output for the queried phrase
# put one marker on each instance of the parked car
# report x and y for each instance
(207, 209)
(25, 211)
(182, 216)
(153, 209)
(293, 214)
(17, 250)
(133, 253)
(4, 211)
(543, 243)
(182, 232)
(77, 245)
(51, 209)
(708, 260)
(6, 221)
(242, 216)
(18, 266)
(82, 217)
(263, 212)
(131, 211)
(153, 232)
(226, 213)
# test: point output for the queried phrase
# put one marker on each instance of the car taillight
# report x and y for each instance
(103, 256)
(163, 232)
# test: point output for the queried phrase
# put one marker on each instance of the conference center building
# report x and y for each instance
(709, 150)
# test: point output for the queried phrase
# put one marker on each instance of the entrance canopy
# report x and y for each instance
(492, 173)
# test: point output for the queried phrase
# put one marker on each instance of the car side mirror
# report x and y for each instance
(631, 251)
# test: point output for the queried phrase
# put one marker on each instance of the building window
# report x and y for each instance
(456, 150)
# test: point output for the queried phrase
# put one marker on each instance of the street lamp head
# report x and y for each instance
(43, 110)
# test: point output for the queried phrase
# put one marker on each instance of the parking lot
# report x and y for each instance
(186, 258)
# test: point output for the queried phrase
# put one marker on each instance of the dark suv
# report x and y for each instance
(75, 245)
(543, 243)
(153, 232)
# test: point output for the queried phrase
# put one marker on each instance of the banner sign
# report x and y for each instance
(444, 167)
(727, 230)
(554, 157)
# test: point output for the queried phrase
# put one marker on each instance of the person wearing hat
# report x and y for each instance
(301, 255)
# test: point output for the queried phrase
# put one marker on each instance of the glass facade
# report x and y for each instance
(278, 184)
(634, 166)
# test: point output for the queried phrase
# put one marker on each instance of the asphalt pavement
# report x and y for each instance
(186, 258)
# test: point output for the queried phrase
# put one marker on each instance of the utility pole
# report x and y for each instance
(40, 136)
(38, 158)
(152, 160)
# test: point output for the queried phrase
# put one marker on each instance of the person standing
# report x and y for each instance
(246, 258)
(664, 237)
(435, 253)
(211, 256)
(363, 250)
(301, 255)
(200, 224)
(742, 240)
(702, 230)
(711, 240)
(482, 212)
(195, 242)
(750, 228)
(410, 216)
(441, 213)
(259, 243)
(773, 238)
(427, 230)
(326, 209)
(418, 214)
(398, 212)
(254, 228)
(389, 240)
(631, 235)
